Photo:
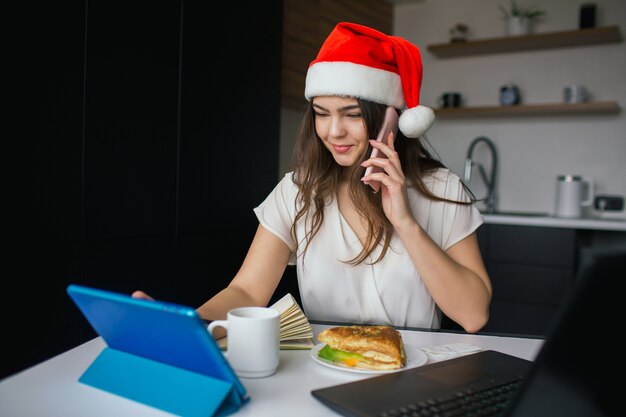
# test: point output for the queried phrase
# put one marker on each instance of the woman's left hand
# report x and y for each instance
(141, 295)
(393, 182)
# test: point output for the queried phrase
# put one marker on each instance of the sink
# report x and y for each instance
(517, 213)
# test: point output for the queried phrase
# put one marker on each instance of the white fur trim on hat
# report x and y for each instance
(354, 80)
(416, 121)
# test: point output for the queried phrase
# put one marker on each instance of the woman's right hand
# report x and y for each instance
(142, 295)
(393, 183)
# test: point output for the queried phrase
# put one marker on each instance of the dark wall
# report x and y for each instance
(154, 130)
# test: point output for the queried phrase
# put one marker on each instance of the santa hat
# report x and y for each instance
(361, 62)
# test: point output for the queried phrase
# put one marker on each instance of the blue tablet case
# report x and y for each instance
(159, 354)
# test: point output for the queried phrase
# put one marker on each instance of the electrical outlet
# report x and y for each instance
(609, 203)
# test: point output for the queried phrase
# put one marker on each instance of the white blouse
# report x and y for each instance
(389, 292)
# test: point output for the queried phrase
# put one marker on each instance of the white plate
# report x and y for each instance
(414, 357)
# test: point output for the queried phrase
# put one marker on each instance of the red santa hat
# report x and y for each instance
(361, 62)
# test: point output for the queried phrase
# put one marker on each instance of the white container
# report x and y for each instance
(573, 94)
(517, 26)
(573, 193)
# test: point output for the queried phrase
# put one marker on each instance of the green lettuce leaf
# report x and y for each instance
(336, 355)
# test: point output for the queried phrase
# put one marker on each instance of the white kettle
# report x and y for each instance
(573, 193)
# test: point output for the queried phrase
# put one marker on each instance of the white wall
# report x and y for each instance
(532, 150)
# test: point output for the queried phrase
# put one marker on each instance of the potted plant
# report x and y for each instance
(519, 18)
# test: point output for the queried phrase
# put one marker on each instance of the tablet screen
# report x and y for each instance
(165, 332)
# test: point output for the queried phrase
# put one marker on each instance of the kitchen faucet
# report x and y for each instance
(490, 182)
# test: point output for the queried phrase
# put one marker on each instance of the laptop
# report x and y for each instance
(568, 377)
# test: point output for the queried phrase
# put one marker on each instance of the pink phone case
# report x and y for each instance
(390, 124)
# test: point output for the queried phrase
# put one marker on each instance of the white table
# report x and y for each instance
(52, 388)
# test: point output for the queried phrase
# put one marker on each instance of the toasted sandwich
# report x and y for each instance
(365, 347)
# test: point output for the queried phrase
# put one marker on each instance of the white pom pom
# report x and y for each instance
(415, 122)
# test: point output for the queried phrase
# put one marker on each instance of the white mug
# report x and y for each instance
(253, 340)
(570, 195)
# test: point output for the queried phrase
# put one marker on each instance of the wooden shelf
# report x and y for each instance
(598, 107)
(592, 36)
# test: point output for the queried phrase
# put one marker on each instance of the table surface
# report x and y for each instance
(51, 388)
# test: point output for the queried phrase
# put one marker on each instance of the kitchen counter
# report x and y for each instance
(551, 221)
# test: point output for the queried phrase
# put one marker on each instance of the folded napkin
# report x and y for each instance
(449, 351)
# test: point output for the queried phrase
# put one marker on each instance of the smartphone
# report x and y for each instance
(390, 124)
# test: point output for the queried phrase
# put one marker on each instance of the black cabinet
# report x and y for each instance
(531, 269)
(153, 131)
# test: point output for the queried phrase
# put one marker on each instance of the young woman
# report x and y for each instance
(400, 256)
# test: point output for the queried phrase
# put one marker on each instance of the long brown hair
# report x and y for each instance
(316, 175)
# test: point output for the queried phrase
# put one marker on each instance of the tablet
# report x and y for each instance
(165, 332)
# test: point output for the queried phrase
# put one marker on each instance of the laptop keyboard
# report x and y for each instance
(469, 403)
